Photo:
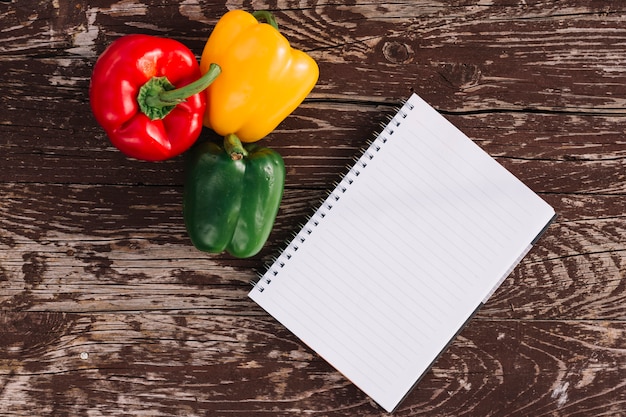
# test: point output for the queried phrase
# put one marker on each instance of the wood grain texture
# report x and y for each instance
(106, 308)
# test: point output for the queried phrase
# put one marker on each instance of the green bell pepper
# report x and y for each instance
(232, 195)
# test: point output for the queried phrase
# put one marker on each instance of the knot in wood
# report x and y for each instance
(461, 75)
(397, 52)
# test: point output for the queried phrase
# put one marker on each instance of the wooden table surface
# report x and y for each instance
(107, 310)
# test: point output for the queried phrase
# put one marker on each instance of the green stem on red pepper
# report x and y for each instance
(159, 96)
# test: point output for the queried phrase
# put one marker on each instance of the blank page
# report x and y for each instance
(414, 238)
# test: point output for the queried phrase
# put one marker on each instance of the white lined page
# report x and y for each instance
(419, 238)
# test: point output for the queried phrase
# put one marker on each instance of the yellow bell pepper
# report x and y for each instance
(263, 78)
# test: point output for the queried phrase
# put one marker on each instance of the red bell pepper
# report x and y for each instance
(145, 93)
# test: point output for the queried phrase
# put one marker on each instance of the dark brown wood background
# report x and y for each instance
(107, 310)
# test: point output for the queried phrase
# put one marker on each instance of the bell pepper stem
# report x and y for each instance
(159, 96)
(267, 16)
(195, 87)
(234, 147)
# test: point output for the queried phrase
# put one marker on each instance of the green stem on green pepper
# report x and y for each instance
(234, 147)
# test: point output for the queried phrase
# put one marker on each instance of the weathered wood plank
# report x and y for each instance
(66, 364)
(478, 72)
(551, 153)
(105, 248)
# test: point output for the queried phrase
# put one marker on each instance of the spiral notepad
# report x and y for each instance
(415, 237)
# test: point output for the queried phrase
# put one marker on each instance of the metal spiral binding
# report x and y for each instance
(326, 204)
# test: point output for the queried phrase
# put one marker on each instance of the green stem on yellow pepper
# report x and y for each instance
(267, 16)
(159, 96)
(234, 147)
